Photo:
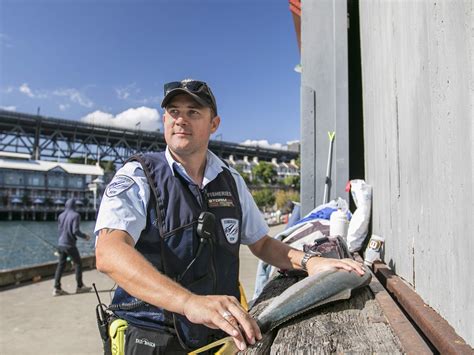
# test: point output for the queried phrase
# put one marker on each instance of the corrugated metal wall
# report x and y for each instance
(417, 75)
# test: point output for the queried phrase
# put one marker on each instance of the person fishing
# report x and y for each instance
(69, 230)
(168, 233)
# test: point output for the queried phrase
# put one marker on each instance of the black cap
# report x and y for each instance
(198, 90)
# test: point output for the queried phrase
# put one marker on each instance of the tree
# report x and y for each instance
(264, 198)
(244, 175)
(25, 199)
(108, 166)
(292, 181)
(264, 172)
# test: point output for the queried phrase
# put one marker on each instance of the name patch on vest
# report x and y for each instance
(220, 202)
(119, 184)
(231, 229)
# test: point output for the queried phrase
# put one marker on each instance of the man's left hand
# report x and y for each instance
(319, 264)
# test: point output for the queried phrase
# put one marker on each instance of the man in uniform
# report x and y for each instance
(177, 268)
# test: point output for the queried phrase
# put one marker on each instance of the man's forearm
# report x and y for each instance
(278, 254)
(284, 257)
(117, 257)
(79, 234)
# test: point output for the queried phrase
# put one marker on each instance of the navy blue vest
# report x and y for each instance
(170, 242)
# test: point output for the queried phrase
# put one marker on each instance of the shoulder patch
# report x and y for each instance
(119, 184)
(231, 229)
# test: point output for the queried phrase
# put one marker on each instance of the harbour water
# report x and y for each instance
(27, 243)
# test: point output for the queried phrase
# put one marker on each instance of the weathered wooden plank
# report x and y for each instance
(355, 325)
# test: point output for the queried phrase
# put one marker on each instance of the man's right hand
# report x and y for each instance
(117, 257)
(225, 313)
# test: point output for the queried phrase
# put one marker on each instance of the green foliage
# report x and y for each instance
(283, 198)
(81, 160)
(245, 176)
(264, 198)
(298, 161)
(48, 201)
(108, 166)
(265, 173)
(25, 199)
(292, 181)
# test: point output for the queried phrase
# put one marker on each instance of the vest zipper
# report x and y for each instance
(205, 208)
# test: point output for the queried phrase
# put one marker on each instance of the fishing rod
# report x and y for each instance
(48, 243)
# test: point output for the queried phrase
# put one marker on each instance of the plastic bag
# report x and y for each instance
(324, 211)
(358, 226)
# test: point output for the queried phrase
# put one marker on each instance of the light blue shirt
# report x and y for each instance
(125, 200)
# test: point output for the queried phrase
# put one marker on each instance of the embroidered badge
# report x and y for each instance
(119, 184)
(219, 194)
(220, 202)
(231, 229)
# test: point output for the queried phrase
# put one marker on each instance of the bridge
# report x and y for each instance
(47, 138)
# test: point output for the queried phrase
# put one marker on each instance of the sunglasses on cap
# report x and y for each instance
(199, 90)
(191, 85)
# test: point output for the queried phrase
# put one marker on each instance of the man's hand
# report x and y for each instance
(319, 264)
(225, 313)
(284, 257)
(117, 257)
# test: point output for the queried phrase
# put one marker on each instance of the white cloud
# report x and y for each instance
(25, 89)
(131, 93)
(64, 107)
(99, 117)
(75, 96)
(8, 108)
(143, 118)
(264, 144)
(124, 93)
(148, 100)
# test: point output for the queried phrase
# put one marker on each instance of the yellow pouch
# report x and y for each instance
(117, 336)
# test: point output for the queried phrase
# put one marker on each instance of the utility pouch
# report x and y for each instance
(117, 336)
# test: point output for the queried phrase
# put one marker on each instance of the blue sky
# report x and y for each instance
(105, 61)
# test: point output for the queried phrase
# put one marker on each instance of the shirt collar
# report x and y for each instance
(213, 167)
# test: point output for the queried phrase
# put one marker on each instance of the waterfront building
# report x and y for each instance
(285, 169)
(282, 168)
(38, 189)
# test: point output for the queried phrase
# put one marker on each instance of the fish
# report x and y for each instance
(311, 292)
